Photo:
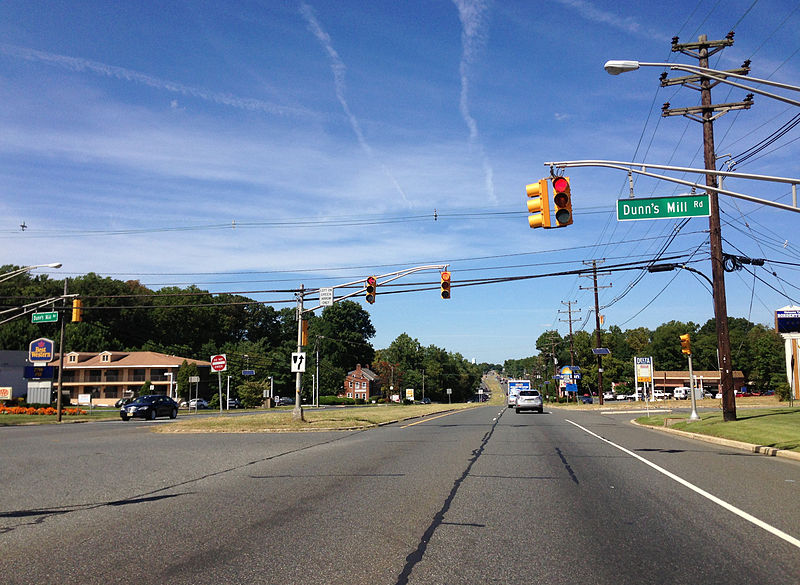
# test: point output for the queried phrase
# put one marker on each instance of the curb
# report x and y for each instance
(758, 449)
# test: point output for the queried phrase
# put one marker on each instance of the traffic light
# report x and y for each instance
(686, 344)
(372, 289)
(77, 310)
(445, 285)
(562, 199)
(538, 205)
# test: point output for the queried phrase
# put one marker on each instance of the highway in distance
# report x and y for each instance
(477, 496)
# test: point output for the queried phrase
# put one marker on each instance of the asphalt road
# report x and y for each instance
(478, 496)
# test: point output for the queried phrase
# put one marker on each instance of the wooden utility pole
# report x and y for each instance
(708, 112)
(569, 318)
(598, 337)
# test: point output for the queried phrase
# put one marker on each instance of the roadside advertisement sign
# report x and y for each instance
(41, 350)
(644, 369)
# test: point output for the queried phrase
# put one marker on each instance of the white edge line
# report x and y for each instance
(730, 507)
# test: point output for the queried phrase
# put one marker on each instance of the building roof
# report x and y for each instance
(367, 373)
(125, 359)
(710, 374)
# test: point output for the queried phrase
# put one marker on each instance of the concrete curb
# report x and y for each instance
(758, 449)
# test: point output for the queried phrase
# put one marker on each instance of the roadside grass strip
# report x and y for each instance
(778, 428)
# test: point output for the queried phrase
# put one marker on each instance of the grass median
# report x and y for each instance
(315, 420)
(770, 427)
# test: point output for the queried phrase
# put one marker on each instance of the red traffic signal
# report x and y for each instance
(445, 285)
(562, 199)
(372, 289)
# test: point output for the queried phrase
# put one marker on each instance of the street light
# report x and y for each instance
(615, 67)
(13, 273)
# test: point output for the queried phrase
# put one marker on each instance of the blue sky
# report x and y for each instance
(254, 146)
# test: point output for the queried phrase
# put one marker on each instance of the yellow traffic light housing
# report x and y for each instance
(562, 200)
(538, 204)
(77, 310)
(686, 344)
(445, 285)
(372, 289)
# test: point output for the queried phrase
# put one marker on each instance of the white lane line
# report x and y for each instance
(730, 507)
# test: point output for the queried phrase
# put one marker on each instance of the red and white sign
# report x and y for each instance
(219, 363)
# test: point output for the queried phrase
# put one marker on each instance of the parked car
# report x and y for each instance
(586, 399)
(122, 401)
(234, 403)
(283, 401)
(609, 396)
(681, 393)
(198, 403)
(529, 400)
(149, 407)
(425, 400)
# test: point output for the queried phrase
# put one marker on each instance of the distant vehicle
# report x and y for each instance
(624, 397)
(234, 403)
(122, 401)
(425, 400)
(512, 400)
(681, 393)
(283, 401)
(198, 403)
(149, 407)
(608, 396)
(529, 400)
(586, 399)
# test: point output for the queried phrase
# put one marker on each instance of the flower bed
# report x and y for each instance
(38, 411)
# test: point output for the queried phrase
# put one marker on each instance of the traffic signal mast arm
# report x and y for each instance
(380, 281)
(640, 169)
(31, 307)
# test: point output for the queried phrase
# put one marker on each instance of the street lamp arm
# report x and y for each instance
(615, 67)
(13, 273)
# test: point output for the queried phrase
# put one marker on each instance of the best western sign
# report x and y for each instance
(41, 350)
(663, 207)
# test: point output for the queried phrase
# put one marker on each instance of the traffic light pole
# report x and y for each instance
(297, 412)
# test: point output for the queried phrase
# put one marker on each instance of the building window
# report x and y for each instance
(72, 359)
(94, 376)
(138, 375)
(105, 358)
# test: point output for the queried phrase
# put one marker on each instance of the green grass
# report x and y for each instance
(770, 427)
(281, 420)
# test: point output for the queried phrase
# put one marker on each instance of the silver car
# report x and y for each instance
(529, 400)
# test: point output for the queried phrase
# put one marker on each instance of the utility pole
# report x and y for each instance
(570, 320)
(702, 50)
(297, 411)
(598, 338)
(61, 356)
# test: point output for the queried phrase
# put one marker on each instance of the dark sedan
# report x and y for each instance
(149, 407)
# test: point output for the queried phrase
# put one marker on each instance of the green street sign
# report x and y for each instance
(663, 207)
(50, 317)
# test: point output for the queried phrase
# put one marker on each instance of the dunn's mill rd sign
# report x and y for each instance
(663, 207)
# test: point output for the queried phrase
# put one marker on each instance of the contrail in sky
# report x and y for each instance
(77, 64)
(339, 69)
(471, 14)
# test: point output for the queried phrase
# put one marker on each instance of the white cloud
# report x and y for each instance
(339, 70)
(472, 16)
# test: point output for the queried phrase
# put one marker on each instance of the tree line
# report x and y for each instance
(196, 324)
(757, 351)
